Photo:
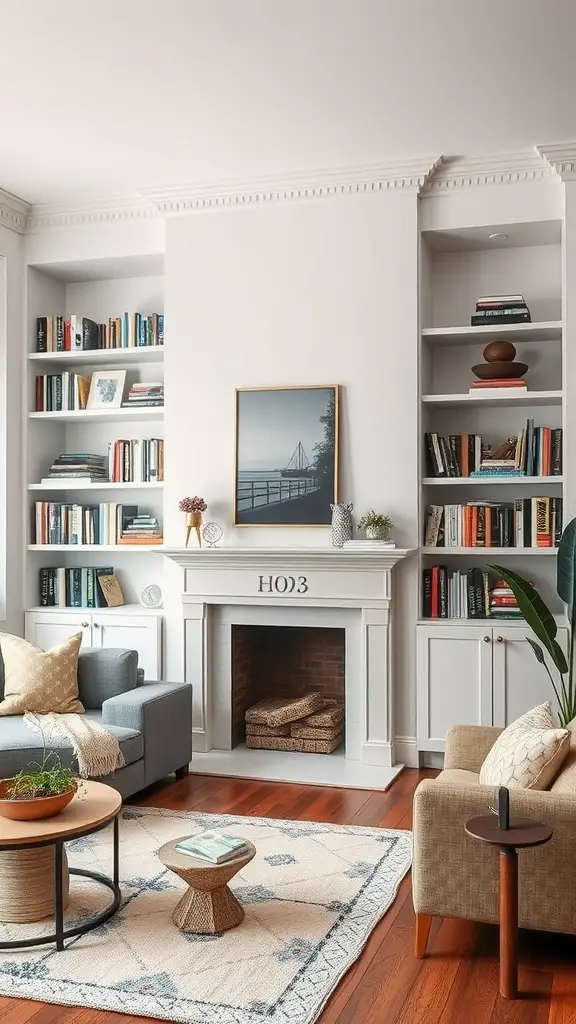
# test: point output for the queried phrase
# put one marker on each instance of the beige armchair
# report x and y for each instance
(453, 876)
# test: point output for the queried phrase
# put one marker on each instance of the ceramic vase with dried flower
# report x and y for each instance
(193, 508)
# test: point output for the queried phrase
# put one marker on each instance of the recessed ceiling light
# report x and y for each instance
(498, 236)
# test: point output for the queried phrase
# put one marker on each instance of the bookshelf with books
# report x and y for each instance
(82, 321)
(493, 461)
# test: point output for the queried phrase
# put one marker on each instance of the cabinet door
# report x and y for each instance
(46, 629)
(137, 633)
(454, 680)
(520, 682)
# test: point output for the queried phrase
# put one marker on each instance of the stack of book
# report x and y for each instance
(503, 604)
(63, 587)
(136, 461)
(61, 392)
(105, 523)
(140, 528)
(450, 594)
(500, 309)
(482, 388)
(537, 451)
(77, 466)
(81, 334)
(522, 523)
(144, 395)
(213, 847)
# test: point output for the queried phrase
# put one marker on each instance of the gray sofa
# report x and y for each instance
(152, 721)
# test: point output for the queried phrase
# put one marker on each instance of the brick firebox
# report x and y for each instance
(283, 661)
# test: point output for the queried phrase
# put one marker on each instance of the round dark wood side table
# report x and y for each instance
(522, 834)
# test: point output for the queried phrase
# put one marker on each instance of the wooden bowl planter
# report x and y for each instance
(33, 808)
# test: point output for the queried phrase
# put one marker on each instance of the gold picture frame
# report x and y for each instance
(286, 447)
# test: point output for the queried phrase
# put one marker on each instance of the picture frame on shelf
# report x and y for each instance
(286, 455)
(106, 389)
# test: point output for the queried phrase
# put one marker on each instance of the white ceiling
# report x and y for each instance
(100, 98)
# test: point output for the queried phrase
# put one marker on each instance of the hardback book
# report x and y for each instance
(214, 847)
(370, 545)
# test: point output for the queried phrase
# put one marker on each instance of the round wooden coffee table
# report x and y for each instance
(34, 871)
(208, 906)
(522, 834)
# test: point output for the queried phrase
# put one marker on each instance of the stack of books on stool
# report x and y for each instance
(213, 847)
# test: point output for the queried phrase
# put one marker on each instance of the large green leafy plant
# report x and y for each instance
(543, 624)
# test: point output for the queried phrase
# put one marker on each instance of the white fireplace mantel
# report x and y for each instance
(349, 588)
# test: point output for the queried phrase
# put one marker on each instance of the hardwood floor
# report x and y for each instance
(456, 983)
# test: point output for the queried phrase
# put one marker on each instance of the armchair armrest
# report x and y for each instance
(455, 876)
(162, 712)
(468, 745)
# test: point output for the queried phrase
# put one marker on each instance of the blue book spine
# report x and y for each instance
(160, 328)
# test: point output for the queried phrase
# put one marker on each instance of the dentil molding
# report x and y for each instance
(497, 169)
(13, 212)
(46, 216)
(561, 157)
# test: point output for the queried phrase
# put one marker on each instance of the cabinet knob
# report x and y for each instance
(486, 639)
(96, 625)
(84, 625)
(499, 639)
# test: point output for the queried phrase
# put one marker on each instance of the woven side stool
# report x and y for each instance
(208, 906)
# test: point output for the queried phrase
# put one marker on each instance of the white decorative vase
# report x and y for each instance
(341, 524)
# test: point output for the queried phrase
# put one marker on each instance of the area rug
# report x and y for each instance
(312, 895)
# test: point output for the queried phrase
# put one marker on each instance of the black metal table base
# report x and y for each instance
(61, 933)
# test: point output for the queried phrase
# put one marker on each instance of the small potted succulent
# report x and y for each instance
(193, 507)
(376, 526)
(38, 791)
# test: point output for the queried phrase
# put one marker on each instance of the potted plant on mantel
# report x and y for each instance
(376, 526)
(193, 507)
(38, 791)
(543, 624)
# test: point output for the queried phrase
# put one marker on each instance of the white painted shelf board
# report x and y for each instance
(95, 548)
(549, 330)
(526, 398)
(103, 357)
(459, 481)
(89, 415)
(496, 622)
(484, 552)
(281, 766)
(123, 609)
(86, 485)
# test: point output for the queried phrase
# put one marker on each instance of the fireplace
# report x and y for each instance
(284, 661)
(317, 618)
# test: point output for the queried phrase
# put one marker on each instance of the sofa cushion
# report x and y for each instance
(459, 776)
(37, 680)
(529, 753)
(19, 744)
(565, 781)
(104, 673)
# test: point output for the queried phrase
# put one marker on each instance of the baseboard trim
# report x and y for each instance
(407, 751)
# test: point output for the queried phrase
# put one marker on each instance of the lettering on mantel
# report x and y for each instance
(282, 585)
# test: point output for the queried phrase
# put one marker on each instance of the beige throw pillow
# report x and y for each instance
(565, 781)
(42, 681)
(528, 754)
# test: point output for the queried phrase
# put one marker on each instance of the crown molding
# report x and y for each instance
(176, 200)
(46, 216)
(13, 212)
(561, 157)
(496, 169)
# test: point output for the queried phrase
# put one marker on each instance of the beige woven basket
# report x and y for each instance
(280, 710)
(291, 744)
(304, 732)
(330, 715)
(267, 730)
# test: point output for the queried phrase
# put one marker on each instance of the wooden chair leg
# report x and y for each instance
(422, 925)
(182, 772)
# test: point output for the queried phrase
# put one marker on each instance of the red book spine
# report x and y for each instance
(435, 592)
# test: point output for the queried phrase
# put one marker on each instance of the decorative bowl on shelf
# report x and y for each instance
(34, 808)
(499, 370)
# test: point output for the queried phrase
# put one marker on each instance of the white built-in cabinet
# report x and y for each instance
(101, 628)
(469, 674)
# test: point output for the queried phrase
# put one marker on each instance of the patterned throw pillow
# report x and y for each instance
(37, 680)
(528, 753)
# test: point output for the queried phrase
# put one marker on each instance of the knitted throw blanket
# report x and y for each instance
(97, 750)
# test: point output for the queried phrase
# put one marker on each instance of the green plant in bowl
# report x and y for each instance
(377, 526)
(49, 778)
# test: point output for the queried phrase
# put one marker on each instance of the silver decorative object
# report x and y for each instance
(341, 524)
(151, 596)
(212, 533)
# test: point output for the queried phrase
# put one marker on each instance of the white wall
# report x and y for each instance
(11, 363)
(299, 293)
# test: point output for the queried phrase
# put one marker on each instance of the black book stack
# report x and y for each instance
(493, 310)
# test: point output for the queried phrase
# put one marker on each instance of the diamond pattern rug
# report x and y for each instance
(312, 895)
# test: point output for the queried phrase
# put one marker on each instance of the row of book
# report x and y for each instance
(61, 392)
(81, 333)
(78, 587)
(140, 461)
(141, 395)
(536, 451)
(448, 594)
(500, 309)
(105, 523)
(523, 523)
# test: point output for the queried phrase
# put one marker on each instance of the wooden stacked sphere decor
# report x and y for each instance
(499, 365)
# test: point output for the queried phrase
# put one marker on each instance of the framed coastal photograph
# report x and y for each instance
(286, 456)
(106, 389)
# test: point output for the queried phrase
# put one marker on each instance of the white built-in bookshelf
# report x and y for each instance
(98, 293)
